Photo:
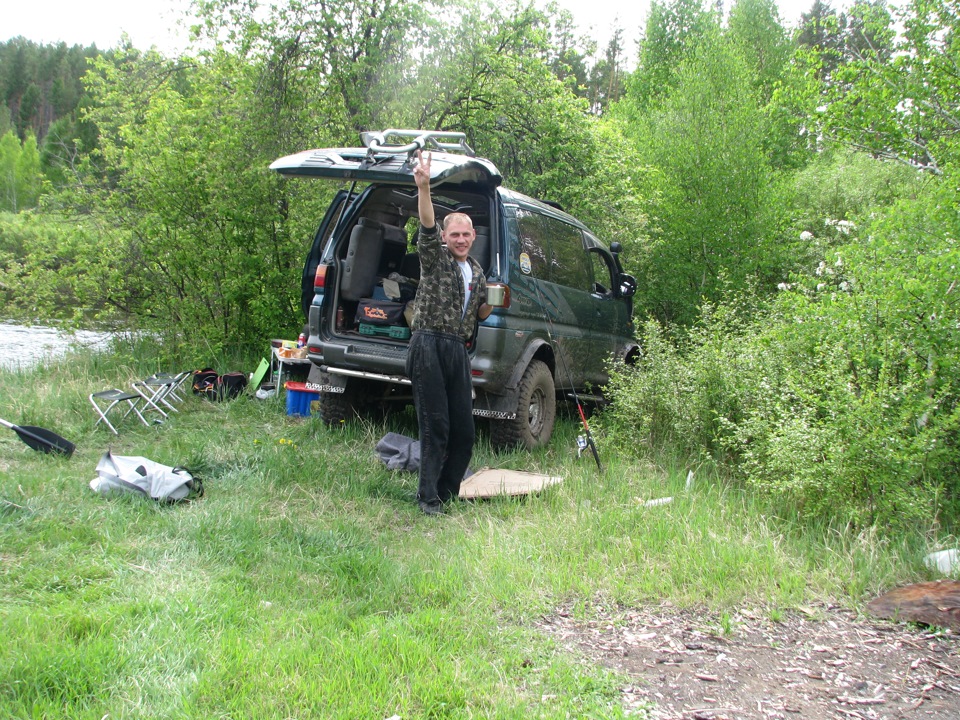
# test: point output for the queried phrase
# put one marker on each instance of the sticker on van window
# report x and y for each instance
(525, 266)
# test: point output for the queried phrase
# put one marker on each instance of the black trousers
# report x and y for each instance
(439, 366)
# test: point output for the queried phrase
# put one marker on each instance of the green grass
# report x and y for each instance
(307, 584)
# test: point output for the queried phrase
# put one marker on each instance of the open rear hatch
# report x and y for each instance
(387, 159)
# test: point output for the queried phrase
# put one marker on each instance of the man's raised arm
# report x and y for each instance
(421, 176)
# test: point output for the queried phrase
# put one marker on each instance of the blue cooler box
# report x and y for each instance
(299, 398)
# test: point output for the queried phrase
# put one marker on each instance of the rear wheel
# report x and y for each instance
(337, 408)
(536, 411)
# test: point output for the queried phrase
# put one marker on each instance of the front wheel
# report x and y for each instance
(536, 411)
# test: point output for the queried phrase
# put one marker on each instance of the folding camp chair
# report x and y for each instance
(174, 391)
(180, 378)
(106, 400)
(167, 393)
(155, 390)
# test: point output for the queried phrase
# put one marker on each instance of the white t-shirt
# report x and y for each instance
(467, 273)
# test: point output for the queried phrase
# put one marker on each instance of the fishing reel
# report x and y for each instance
(581, 445)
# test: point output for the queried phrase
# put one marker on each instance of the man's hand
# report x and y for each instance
(421, 171)
(421, 176)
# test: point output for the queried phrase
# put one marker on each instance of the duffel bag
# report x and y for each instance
(380, 312)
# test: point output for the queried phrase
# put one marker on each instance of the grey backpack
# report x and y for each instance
(123, 474)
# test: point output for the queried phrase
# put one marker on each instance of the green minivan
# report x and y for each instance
(562, 303)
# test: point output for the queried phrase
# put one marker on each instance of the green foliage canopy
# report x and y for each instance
(713, 216)
(896, 95)
(840, 397)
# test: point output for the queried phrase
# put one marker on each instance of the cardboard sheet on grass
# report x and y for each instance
(490, 482)
(399, 452)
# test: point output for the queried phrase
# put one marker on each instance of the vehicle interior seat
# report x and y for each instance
(481, 247)
(362, 260)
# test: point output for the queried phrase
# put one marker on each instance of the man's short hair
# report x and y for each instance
(457, 217)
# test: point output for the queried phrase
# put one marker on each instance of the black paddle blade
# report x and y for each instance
(43, 440)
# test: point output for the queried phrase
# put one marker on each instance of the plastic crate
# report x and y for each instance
(398, 332)
(299, 399)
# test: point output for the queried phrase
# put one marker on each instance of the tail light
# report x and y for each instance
(320, 280)
(498, 295)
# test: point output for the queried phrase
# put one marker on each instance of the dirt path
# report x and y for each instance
(825, 664)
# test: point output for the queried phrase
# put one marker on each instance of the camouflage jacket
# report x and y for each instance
(440, 294)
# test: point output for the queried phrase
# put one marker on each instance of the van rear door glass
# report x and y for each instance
(320, 241)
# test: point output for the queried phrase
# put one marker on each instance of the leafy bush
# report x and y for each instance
(840, 397)
(675, 395)
(715, 213)
(832, 190)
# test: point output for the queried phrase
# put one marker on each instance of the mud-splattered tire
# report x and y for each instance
(536, 412)
(338, 408)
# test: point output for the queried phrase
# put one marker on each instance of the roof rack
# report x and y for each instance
(410, 141)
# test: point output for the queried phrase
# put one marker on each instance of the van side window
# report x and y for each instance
(569, 264)
(533, 242)
(555, 249)
(602, 273)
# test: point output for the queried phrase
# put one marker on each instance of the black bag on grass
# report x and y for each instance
(231, 384)
(205, 382)
(208, 384)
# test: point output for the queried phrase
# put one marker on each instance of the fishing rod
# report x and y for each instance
(586, 440)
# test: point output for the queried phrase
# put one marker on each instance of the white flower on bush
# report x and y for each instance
(821, 287)
(843, 226)
(784, 286)
(845, 286)
(806, 236)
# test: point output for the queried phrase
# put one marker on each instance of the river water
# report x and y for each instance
(24, 346)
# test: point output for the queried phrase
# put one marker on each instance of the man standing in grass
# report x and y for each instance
(451, 298)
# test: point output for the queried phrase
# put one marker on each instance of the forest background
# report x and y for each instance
(787, 199)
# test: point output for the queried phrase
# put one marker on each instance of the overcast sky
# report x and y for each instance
(84, 22)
